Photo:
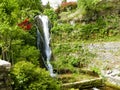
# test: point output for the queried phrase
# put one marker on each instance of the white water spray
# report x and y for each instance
(46, 36)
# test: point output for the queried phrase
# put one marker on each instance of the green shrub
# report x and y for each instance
(7, 6)
(12, 37)
(29, 53)
(62, 27)
(87, 4)
(32, 4)
(26, 76)
(71, 56)
(101, 28)
(51, 14)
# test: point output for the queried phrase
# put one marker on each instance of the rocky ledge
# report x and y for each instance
(5, 64)
(5, 82)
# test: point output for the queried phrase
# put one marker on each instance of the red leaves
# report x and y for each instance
(26, 25)
(67, 5)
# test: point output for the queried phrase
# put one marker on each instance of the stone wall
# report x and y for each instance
(5, 82)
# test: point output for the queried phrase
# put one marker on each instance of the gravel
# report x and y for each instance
(108, 53)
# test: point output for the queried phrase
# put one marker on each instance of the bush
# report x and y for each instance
(103, 27)
(71, 56)
(51, 14)
(88, 8)
(87, 4)
(12, 37)
(62, 27)
(32, 4)
(26, 76)
(29, 53)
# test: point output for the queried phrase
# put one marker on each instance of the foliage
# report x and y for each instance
(87, 4)
(12, 37)
(88, 8)
(93, 9)
(29, 53)
(51, 14)
(96, 70)
(13, 40)
(19, 45)
(68, 56)
(7, 6)
(99, 23)
(31, 4)
(102, 27)
(28, 77)
(26, 25)
(60, 27)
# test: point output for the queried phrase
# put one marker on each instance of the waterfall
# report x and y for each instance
(43, 41)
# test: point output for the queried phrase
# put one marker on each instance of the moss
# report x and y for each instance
(84, 84)
(116, 87)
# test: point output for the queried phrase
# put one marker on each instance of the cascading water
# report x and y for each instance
(43, 40)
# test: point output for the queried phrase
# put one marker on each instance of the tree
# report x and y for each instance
(12, 37)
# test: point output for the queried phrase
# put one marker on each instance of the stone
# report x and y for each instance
(5, 64)
(5, 81)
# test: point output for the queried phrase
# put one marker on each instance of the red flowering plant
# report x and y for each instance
(67, 6)
(26, 25)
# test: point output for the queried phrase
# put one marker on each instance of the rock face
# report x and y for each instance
(5, 83)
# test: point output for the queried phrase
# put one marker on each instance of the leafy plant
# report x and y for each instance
(62, 27)
(96, 70)
(26, 76)
(31, 4)
(12, 37)
(70, 57)
(87, 4)
(29, 53)
(51, 14)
